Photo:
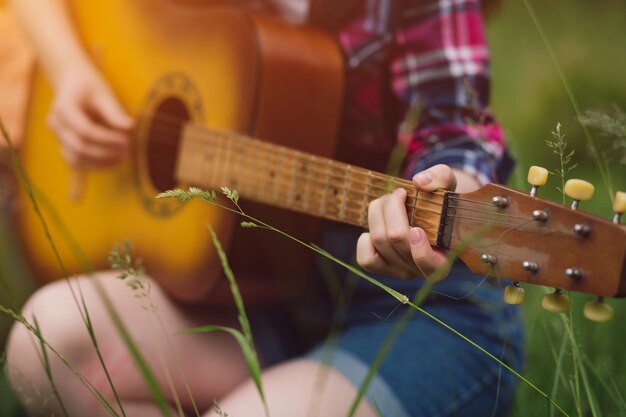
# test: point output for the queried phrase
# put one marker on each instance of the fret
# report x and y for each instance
(412, 207)
(265, 177)
(332, 206)
(344, 194)
(365, 200)
(306, 193)
(258, 156)
(295, 180)
(324, 200)
(230, 160)
(241, 184)
(227, 164)
(333, 197)
(212, 156)
(245, 183)
(261, 165)
(335, 180)
(217, 162)
(207, 159)
(273, 174)
(210, 169)
(190, 161)
(298, 168)
(292, 185)
(226, 167)
(321, 186)
(197, 164)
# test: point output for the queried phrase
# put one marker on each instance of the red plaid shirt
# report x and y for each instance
(432, 57)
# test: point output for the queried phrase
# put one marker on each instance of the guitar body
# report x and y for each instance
(169, 64)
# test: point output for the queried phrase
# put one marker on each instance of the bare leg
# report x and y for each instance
(211, 362)
(293, 389)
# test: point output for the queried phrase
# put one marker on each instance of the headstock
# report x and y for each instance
(527, 239)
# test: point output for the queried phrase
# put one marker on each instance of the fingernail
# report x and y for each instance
(424, 178)
(415, 236)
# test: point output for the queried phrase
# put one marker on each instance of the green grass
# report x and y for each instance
(529, 98)
(528, 95)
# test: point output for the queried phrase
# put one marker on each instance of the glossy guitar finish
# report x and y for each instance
(504, 233)
(193, 78)
(213, 65)
(513, 236)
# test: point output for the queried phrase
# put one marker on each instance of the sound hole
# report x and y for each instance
(163, 142)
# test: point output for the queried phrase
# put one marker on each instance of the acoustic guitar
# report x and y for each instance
(171, 65)
(204, 85)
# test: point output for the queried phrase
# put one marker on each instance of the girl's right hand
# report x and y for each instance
(93, 128)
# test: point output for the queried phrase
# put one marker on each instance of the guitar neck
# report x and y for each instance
(295, 180)
(494, 237)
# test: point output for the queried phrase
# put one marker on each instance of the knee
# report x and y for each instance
(50, 318)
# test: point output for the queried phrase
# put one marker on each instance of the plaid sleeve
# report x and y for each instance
(440, 67)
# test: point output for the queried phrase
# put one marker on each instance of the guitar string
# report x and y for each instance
(312, 165)
(301, 156)
(403, 183)
(162, 116)
(359, 211)
(513, 226)
(335, 197)
(354, 181)
(460, 209)
(227, 135)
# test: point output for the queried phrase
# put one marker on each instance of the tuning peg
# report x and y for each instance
(578, 190)
(619, 206)
(598, 310)
(513, 294)
(537, 177)
(557, 302)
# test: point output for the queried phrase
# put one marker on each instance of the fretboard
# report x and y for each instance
(295, 180)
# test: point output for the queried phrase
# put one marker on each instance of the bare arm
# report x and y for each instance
(89, 122)
(49, 28)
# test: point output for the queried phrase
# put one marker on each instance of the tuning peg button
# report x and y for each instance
(537, 177)
(578, 190)
(619, 206)
(530, 266)
(556, 302)
(598, 311)
(513, 294)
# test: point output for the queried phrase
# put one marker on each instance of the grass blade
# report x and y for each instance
(82, 307)
(141, 364)
(33, 330)
(48, 369)
(590, 142)
(209, 197)
(244, 338)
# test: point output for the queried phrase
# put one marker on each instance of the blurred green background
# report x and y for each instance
(589, 41)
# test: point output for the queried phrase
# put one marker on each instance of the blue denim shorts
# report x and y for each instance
(428, 370)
